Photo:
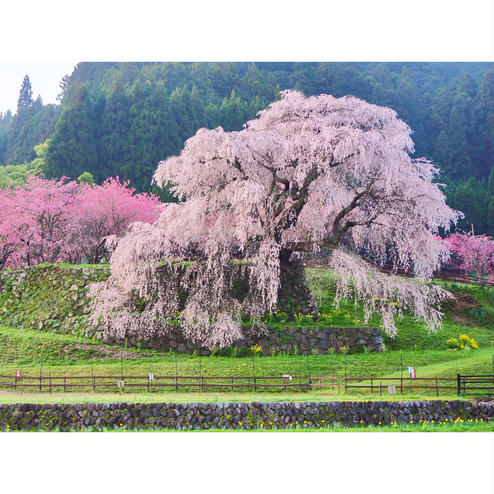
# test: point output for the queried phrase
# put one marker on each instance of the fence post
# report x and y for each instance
(64, 383)
(346, 385)
(380, 388)
(458, 384)
(308, 370)
(176, 374)
(94, 379)
(437, 388)
(200, 375)
(401, 372)
(40, 371)
(372, 386)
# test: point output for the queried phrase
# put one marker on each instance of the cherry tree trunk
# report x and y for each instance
(294, 294)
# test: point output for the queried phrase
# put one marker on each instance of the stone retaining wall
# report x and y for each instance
(53, 297)
(49, 297)
(200, 416)
(303, 340)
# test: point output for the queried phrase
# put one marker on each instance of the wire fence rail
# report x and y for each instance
(153, 383)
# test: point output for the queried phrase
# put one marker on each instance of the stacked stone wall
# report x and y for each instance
(203, 416)
(53, 297)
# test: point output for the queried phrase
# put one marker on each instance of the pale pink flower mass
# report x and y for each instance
(307, 173)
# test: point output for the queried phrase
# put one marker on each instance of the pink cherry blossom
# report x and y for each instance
(306, 174)
(61, 221)
(472, 253)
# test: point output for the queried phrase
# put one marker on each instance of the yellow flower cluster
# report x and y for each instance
(463, 342)
(303, 317)
(385, 301)
(325, 316)
(255, 349)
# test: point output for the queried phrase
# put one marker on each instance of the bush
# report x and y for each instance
(463, 342)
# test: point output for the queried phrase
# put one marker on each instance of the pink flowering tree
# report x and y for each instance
(9, 241)
(38, 220)
(60, 221)
(306, 174)
(473, 254)
(104, 211)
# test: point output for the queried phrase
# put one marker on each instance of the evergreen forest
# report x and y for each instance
(121, 119)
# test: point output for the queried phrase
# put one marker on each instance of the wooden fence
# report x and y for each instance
(475, 384)
(446, 274)
(152, 383)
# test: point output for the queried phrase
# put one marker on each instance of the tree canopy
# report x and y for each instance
(307, 173)
(123, 118)
(59, 221)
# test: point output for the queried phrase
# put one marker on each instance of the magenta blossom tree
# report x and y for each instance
(473, 254)
(107, 210)
(9, 241)
(60, 221)
(38, 220)
(307, 173)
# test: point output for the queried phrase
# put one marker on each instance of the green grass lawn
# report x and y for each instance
(69, 355)
(34, 352)
(465, 426)
(429, 363)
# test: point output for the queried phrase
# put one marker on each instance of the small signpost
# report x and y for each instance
(17, 376)
(286, 377)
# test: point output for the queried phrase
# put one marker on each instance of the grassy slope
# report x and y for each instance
(75, 355)
(471, 312)
(24, 347)
(70, 355)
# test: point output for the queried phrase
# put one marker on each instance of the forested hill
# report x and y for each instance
(122, 118)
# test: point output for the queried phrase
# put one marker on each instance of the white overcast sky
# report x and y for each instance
(45, 78)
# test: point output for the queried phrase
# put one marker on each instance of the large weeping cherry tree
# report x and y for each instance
(306, 174)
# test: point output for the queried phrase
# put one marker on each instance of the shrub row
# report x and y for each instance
(199, 416)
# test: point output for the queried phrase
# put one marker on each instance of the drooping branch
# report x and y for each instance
(307, 173)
